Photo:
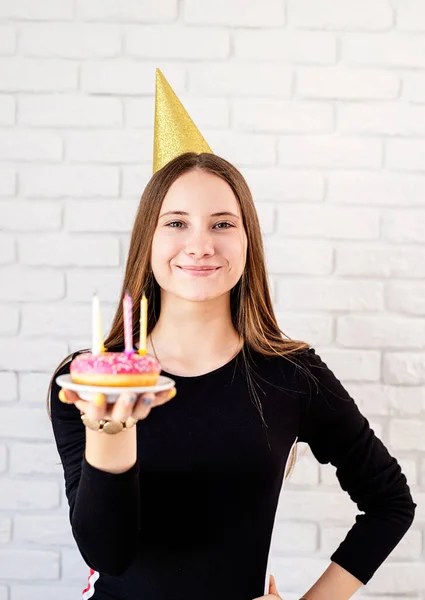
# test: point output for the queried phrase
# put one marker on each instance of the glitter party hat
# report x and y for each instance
(174, 130)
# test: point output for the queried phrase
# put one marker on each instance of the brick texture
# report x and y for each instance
(321, 105)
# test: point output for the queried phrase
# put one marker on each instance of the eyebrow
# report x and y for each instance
(182, 212)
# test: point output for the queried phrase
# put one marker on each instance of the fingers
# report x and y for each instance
(94, 409)
(144, 405)
(70, 397)
(163, 397)
(128, 404)
(273, 593)
(124, 406)
(149, 400)
(273, 587)
(133, 405)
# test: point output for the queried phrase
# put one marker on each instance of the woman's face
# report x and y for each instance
(190, 234)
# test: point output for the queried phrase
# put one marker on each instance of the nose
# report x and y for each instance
(199, 243)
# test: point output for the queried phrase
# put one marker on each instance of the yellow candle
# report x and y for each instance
(98, 346)
(143, 324)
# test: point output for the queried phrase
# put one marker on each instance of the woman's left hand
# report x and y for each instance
(273, 593)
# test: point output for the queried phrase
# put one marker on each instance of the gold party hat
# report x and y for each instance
(174, 131)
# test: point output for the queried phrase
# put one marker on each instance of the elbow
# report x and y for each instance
(402, 511)
(108, 567)
(117, 564)
(409, 507)
(111, 559)
(412, 512)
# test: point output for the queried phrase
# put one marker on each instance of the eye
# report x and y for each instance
(225, 223)
(172, 223)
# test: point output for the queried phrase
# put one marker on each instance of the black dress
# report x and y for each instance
(194, 516)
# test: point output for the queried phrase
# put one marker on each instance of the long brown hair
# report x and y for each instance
(251, 306)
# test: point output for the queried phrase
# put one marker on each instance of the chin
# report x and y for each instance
(195, 293)
(197, 296)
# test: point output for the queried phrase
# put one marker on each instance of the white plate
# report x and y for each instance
(86, 392)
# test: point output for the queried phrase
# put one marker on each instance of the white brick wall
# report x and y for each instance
(321, 104)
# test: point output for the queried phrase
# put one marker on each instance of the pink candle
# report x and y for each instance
(128, 323)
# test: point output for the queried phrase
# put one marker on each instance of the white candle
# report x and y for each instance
(98, 346)
(143, 324)
(128, 323)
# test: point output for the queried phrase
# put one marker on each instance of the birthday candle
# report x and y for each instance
(143, 324)
(98, 346)
(128, 323)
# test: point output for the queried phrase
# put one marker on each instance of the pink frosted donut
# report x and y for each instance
(115, 369)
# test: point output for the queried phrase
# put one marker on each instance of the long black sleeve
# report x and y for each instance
(104, 508)
(338, 433)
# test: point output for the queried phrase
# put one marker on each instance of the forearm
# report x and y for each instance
(105, 517)
(108, 492)
(112, 453)
(335, 584)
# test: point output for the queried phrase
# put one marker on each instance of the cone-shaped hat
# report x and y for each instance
(174, 131)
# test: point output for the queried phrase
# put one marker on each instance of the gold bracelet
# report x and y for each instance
(110, 427)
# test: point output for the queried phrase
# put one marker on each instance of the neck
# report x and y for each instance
(194, 329)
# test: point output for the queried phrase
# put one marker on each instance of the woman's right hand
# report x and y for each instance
(128, 404)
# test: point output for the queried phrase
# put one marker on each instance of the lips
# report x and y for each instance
(199, 268)
(198, 271)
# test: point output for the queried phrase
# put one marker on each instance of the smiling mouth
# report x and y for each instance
(198, 268)
(199, 271)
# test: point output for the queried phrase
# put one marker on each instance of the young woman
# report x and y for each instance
(182, 505)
